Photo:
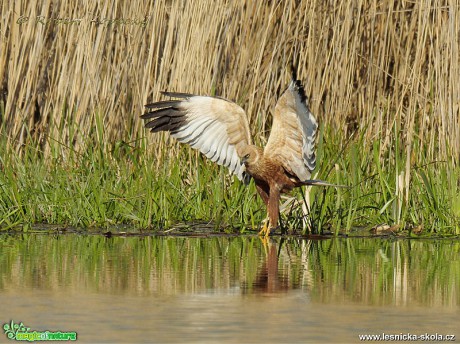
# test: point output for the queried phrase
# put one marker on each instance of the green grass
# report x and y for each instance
(106, 183)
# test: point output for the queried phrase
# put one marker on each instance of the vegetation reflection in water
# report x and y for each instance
(360, 270)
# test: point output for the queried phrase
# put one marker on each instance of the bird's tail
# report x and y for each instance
(318, 182)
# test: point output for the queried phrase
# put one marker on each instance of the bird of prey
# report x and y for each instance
(219, 129)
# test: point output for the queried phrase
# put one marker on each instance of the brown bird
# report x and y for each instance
(219, 129)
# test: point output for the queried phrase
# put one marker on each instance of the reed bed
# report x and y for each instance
(382, 79)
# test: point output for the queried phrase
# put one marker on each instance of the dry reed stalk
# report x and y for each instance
(367, 65)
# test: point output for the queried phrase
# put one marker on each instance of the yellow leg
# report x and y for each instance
(265, 230)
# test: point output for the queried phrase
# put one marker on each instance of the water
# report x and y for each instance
(229, 289)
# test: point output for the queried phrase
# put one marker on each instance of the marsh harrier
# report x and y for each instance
(219, 129)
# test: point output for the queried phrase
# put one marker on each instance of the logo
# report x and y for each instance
(20, 332)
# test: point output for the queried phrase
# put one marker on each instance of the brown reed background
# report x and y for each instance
(386, 69)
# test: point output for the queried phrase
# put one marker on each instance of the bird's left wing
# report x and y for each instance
(218, 128)
(292, 138)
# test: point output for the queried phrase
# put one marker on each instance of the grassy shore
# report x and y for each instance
(105, 184)
(382, 78)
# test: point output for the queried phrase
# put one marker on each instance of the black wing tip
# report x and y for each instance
(298, 86)
(294, 72)
(165, 115)
(160, 111)
(168, 103)
(163, 104)
(166, 122)
(177, 94)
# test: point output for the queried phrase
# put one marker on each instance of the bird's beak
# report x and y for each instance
(243, 160)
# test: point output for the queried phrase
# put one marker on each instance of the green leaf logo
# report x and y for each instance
(12, 329)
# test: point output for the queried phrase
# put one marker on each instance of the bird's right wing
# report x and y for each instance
(218, 128)
(292, 139)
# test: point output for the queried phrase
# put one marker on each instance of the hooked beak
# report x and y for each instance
(243, 160)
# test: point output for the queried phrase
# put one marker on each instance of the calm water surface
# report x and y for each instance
(229, 289)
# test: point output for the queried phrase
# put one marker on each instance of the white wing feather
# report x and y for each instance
(293, 135)
(216, 127)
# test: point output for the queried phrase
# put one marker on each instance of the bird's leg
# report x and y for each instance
(273, 209)
(263, 192)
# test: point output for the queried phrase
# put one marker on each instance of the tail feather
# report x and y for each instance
(318, 182)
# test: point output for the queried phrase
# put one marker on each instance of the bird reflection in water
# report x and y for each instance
(270, 279)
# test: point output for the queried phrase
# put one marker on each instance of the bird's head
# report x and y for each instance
(249, 155)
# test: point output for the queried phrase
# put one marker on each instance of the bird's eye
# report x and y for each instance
(246, 156)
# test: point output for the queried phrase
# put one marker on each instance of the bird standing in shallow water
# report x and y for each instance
(219, 129)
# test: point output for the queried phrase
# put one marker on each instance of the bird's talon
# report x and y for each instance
(267, 230)
(264, 230)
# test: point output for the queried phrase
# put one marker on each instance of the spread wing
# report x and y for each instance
(292, 138)
(218, 128)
